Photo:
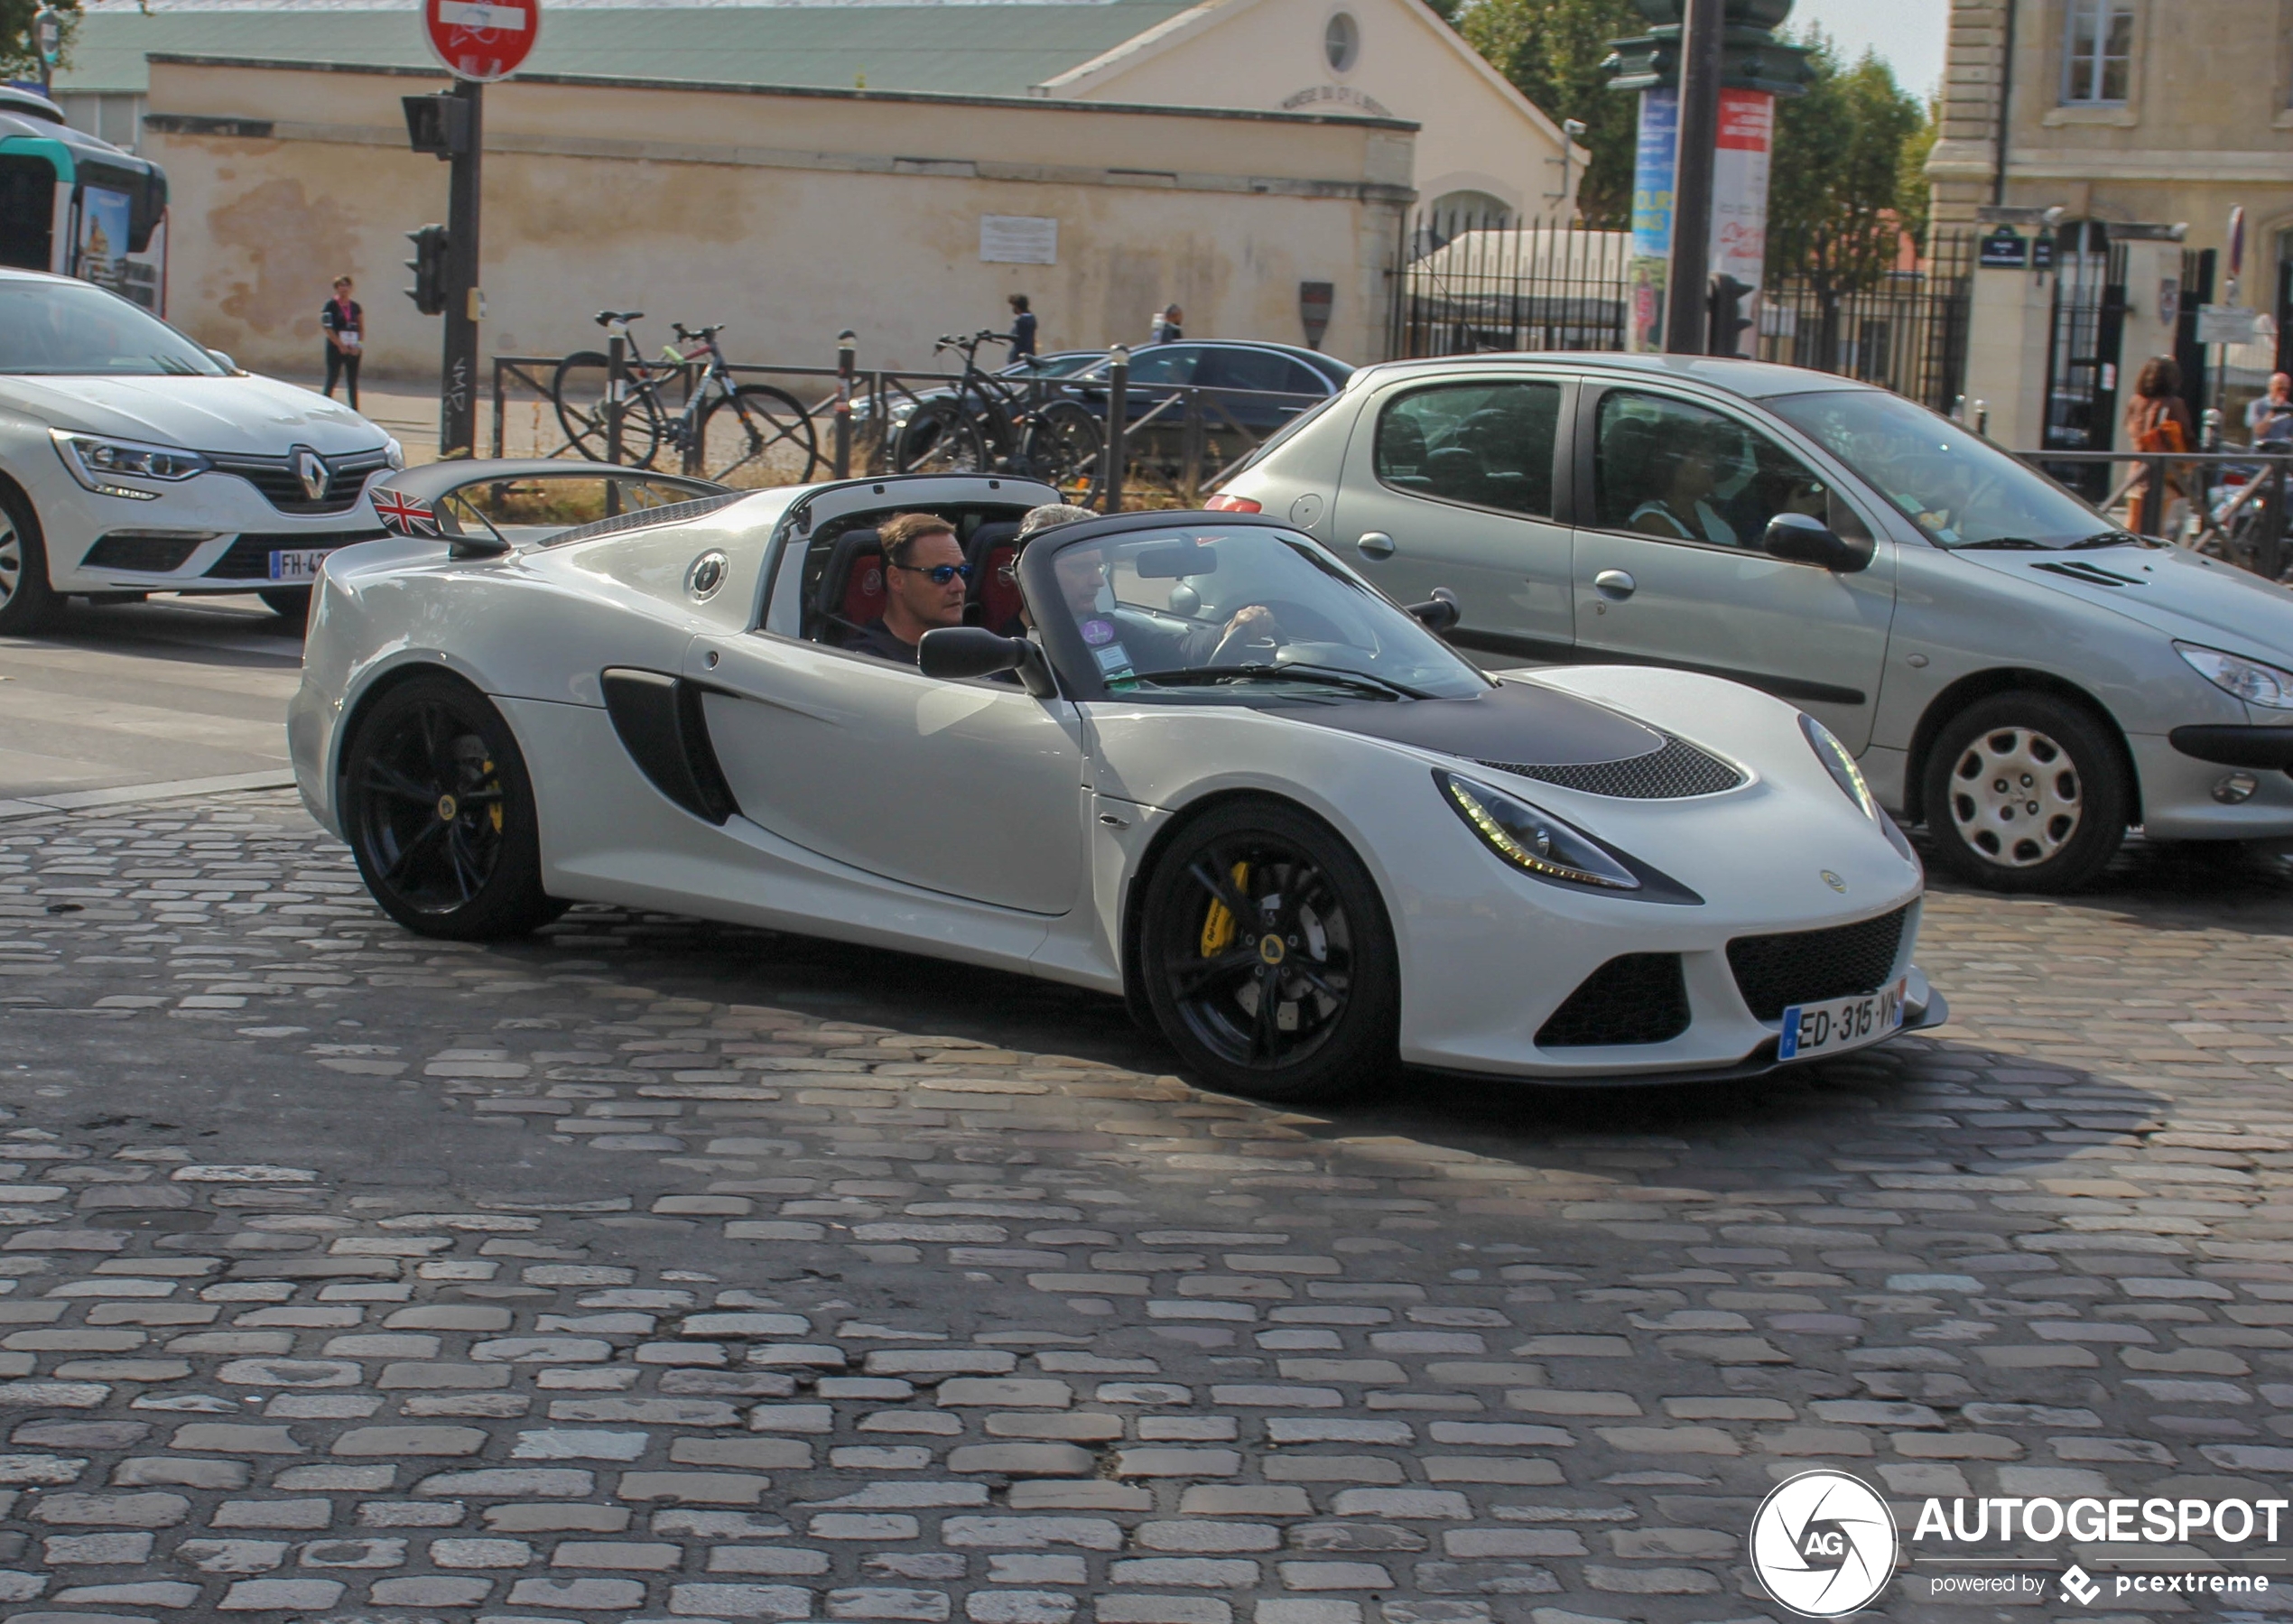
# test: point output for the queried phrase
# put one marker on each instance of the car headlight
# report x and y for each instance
(1840, 763)
(97, 461)
(394, 454)
(1533, 839)
(2247, 680)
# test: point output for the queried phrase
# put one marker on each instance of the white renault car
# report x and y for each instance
(132, 460)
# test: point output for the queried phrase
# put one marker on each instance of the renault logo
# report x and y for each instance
(311, 469)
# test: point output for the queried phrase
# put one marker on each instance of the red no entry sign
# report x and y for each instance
(481, 38)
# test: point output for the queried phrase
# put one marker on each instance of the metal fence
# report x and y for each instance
(1163, 447)
(1906, 330)
(1565, 286)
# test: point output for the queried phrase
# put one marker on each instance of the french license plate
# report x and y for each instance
(1838, 1025)
(301, 563)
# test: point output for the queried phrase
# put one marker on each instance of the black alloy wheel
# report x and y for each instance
(1267, 956)
(440, 812)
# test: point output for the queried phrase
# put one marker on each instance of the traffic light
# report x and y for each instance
(1725, 315)
(437, 125)
(429, 266)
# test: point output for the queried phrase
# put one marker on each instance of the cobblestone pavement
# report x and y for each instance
(658, 1270)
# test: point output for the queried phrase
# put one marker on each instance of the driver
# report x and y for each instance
(1250, 631)
(925, 576)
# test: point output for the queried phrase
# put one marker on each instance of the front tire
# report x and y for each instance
(26, 603)
(441, 814)
(757, 435)
(939, 436)
(2026, 792)
(1062, 447)
(579, 390)
(1267, 958)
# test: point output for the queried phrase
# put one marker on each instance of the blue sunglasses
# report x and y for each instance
(939, 575)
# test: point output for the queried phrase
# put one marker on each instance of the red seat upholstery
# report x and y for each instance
(851, 592)
(995, 602)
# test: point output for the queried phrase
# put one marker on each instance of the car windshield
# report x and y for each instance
(73, 328)
(1214, 607)
(1953, 485)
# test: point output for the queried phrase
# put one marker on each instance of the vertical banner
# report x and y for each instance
(1740, 197)
(1652, 174)
(103, 237)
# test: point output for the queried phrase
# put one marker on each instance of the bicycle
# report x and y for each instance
(990, 423)
(722, 430)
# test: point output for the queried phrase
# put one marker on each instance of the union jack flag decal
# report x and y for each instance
(404, 514)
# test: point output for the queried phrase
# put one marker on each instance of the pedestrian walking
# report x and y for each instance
(344, 321)
(1166, 330)
(1023, 330)
(2157, 420)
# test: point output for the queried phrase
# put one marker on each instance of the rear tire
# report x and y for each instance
(441, 814)
(757, 435)
(27, 601)
(1062, 447)
(939, 436)
(2026, 792)
(578, 392)
(1267, 958)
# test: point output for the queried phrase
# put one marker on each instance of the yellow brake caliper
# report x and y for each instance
(496, 807)
(1219, 924)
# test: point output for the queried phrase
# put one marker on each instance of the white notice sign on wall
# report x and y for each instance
(1019, 239)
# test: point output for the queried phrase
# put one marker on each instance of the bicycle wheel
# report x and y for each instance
(939, 436)
(757, 435)
(578, 391)
(1062, 447)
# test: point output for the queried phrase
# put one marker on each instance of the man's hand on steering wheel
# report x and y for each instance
(1251, 626)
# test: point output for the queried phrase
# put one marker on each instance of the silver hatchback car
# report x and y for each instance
(2009, 666)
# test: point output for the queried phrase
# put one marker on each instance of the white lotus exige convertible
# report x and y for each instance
(1222, 776)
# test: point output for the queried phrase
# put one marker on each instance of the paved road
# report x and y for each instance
(160, 693)
(656, 1270)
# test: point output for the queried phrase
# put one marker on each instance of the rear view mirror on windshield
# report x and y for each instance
(1173, 562)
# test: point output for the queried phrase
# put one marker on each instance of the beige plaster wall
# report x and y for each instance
(788, 217)
(1476, 132)
(2207, 123)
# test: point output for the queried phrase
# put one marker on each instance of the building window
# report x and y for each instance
(2097, 58)
(1342, 41)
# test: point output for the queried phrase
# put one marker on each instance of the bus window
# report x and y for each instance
(27, 212)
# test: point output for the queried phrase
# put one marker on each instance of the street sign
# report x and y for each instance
(2226, 324)
(48, 37)
(481, 40)
(2003, 249)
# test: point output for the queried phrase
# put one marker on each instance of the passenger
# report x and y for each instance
(1688, 509)
(923, 585)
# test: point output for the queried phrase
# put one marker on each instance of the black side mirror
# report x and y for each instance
(1440, 612)
(956, 654)
(1800, 538)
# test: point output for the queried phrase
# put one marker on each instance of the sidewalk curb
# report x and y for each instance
(132, 794)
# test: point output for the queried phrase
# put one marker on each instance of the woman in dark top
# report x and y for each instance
(344, 321)
(1023, 328)
(2157, 420)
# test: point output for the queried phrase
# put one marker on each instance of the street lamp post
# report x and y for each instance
(48, 44)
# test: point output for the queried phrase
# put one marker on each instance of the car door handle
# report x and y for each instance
(1614, 585)
(1375, 544)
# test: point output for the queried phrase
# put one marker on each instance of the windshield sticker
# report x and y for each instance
(1095, 632)
(1112, 659)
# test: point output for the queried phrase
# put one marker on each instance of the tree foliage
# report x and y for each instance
(19, 59)
(1850, 155)
(1552, 50)
(1847, 179)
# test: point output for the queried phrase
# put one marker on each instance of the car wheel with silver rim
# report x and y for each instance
(2026, 792)
(26, 600)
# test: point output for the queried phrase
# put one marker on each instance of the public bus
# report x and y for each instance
(77, 206)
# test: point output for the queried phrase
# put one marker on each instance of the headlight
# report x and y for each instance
(1839, 764)
(394, 454)
(2249, 679)
(97, 462)
(1533, 839)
